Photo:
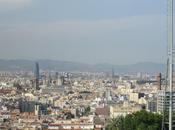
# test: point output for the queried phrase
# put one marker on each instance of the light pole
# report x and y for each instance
(170, 43)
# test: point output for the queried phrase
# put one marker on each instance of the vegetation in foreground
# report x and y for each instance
(142, 120)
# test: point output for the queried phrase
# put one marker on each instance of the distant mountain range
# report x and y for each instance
(29, 65)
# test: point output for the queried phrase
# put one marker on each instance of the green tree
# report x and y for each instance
(141, 120)
(87, 110)
(116, 124)
(112, 125)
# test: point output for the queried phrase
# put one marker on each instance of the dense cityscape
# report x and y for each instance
(41, 100)
(87, 65)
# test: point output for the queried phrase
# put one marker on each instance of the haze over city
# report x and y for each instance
(87, 65)
(88, 31)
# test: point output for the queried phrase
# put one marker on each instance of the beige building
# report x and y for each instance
(134, 97)
(142, 101)
(123, 110)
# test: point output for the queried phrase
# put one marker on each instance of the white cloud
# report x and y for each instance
(13, 4)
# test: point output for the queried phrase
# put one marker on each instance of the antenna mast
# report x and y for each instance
(170, 43)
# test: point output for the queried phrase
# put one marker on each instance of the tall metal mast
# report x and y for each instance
(170, 42)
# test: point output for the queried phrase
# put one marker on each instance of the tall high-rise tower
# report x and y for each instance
(37, 76)
(159, 81)
(113, 73)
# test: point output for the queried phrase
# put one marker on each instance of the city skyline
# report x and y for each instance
(92, 32)
(87, 65)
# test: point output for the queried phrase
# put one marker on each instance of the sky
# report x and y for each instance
(88, 31)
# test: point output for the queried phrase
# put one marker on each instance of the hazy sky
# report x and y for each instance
(90, 31)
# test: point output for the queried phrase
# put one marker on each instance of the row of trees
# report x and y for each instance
(142, 120)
